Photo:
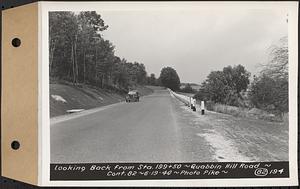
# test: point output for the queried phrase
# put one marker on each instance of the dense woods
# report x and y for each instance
(79, 54)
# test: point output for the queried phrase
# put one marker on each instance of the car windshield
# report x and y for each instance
(132, 92)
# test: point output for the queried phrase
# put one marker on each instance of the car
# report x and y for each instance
(132, 96)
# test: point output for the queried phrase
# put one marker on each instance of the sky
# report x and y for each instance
(194, 42)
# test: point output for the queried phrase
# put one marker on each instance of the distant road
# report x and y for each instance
(159, 128)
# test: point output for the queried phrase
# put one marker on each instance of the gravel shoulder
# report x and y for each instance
(238, 139)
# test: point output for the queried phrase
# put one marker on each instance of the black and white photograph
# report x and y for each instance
(169, 84)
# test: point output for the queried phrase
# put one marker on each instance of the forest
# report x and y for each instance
(79, 54)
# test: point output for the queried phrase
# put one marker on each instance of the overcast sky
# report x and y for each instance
(194, 42)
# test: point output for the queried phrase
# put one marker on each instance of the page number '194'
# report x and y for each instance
(263, 172)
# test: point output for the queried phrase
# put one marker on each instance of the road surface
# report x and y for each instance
(160, 128)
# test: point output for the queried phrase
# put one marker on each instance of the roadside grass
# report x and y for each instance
(235, 111)
(246, 112)
(152, 87)
(187, 94)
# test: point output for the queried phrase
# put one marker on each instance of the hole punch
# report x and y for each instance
(15, 145)
(16, 42)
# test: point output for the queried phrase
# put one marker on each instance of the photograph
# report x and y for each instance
(141, 91)
(127, 86)
(151, 94)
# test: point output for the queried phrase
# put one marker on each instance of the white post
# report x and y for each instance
(193, 104)
(202, 107)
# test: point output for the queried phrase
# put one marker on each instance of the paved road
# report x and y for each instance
(160, 128)
(128, 132)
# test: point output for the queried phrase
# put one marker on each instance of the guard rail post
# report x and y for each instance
(202, 107)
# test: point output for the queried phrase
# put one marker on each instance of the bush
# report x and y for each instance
(209, 105)
(225, 86)
(270, 94)
(188, 89)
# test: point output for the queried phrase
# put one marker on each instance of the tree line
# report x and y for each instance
(79, 54)
(267, 91)
(232, 86)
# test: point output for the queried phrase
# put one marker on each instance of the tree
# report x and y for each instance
(120, 74)
(225, 86)
(215, 87)
(94, 20)
(269, 94)
(169, 78)
(104, 60)
(62, 44)
(152, 80)
(90, 27)
(79, 53)
(202, 93)
(237, 78)
(277, 63)
(269, 91)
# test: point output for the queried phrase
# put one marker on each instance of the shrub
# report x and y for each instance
(270, 94)
(187, 89)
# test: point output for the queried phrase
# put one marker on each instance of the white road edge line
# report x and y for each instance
(66, 117)
(59, 119)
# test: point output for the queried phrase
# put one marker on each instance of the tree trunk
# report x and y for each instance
(52, 49)
(84, 65)
(73, 63)
(95, 65)
(102, 82)
(75, 60)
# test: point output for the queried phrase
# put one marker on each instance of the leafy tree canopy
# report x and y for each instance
(225, 86)
(79, 53)
(169, 78)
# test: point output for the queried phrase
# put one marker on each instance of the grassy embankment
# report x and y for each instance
(65, 97)
(247, 112)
